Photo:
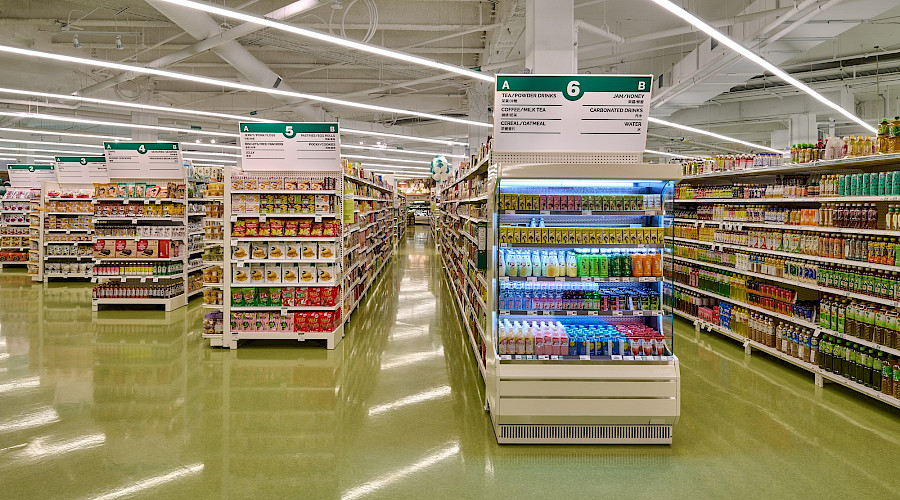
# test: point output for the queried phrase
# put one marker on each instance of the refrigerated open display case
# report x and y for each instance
(580, 349)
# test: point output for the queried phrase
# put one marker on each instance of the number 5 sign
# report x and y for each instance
(571, 113)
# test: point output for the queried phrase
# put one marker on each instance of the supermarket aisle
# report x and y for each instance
(134, 404)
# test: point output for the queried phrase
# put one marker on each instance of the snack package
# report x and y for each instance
(273, 274)
(326, 273)
(237, 297)
(240, 251)
(258, 251)
(309, 251)
(292, 250)
(287, 297)
(289, 274)
(307, 273)
(257, 274)
(276, 250)
(249, 296)
(327, 251)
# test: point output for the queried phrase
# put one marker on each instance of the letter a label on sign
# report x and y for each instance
(571, 113)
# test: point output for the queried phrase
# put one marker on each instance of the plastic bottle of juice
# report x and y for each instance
(656, 265)
(536, 266)
(637, 265)
(571, 265)
(552, 265)
(883, 129)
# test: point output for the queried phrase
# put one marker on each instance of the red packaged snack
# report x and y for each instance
(332, 296)
(264, 229)
(252, 226)
(300, 323)
(239, 228)
(276, 227)
(314, 296)
(300, 296)
(287, 297)
(304, 228)
(328, 229)
(327, 321)
(290, 228)
(316, 229)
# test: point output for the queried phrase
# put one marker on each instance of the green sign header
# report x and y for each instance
(30, 168)
(81, 159)
(142, 147)
(289, 129)
(573, 87)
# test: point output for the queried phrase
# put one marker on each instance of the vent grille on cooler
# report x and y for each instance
(587, 432)
(565, 158)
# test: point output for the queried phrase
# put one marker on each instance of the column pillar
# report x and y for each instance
(550, 37)
(803, 128)
(144, 135)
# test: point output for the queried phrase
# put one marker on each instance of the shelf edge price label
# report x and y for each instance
(628, 358)
(156, 279)
(584, 357)
(616, 357)
(506, 357)
(530, 278)
(617, 313)
(592, 313)
(586, 212)
(283, 311)
(544, 212)
(571, 313)
(543, 357)
(586, 278)
(559, 278)
(262, 218)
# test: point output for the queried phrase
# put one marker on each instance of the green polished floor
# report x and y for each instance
(135, 405)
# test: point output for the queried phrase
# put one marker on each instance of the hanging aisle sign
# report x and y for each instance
(30, 176)
(290, 146)
(571, 113)
(144, 160)
(81, 169)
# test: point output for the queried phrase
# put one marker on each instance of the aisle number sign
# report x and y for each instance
(30, 176)
(305, 147)
(571, 113)
(81, 169)
(144, 160)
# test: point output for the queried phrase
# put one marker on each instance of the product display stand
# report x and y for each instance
(597, 363)
(66, 230)
(212, 196)
(282, 275)
(15, 221)
(36, 240)
(140, 243)
(368, 232)
(460, 230)
(799, 261)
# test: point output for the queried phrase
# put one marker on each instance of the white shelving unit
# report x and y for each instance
(36, 240)
(694, 253)
(455, 197)
(292, 269)
(66, 228)
(15, 220)
(368, 240)
(126, 280)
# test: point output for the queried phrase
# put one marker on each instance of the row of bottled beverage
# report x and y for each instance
(576, 296)
(870, 322)
(860, 364)
(855, 216)
(580, 263)
(832, 185)
(541, 338)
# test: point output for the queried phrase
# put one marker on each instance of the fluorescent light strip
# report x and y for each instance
(743, 51)
(8, 159)
(29, 151)
(234, 85)
(403, 151)
(76, 119)
(142, 107)
(35, 131)
(673, 155)
(402, 167)
(325, 37)
(364, 157)
(227, 116)
(23, 141)
(711, 134)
